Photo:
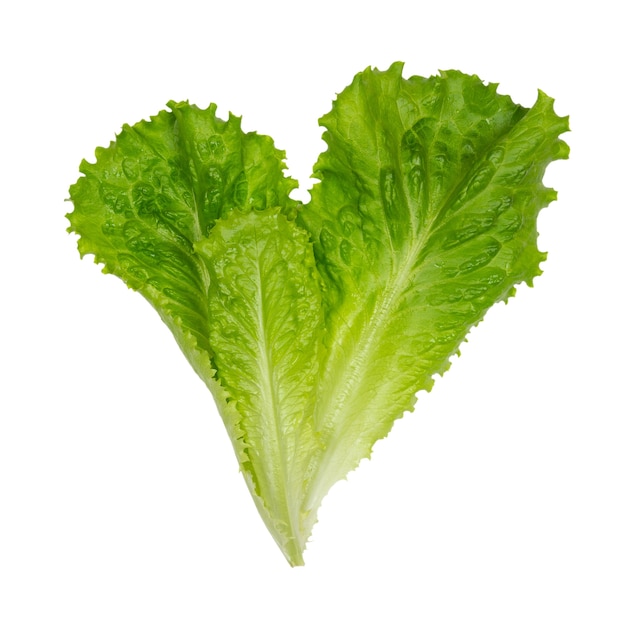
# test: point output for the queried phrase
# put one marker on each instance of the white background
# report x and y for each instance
(500, 501)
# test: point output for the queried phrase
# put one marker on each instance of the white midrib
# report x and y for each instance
(343, 393)
(272, 406)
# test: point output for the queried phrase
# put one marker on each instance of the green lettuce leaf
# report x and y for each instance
(315, 326)
(145, 210)
(425, 217)
(266, 328)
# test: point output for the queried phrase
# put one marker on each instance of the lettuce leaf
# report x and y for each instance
(425, 217)
(266, 325)
(314, 326)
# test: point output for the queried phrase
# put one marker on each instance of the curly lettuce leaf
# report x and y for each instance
(144, 209)
(266, 328)
(424, 217)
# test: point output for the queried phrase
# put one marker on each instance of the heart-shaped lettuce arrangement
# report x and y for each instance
(314, 325)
